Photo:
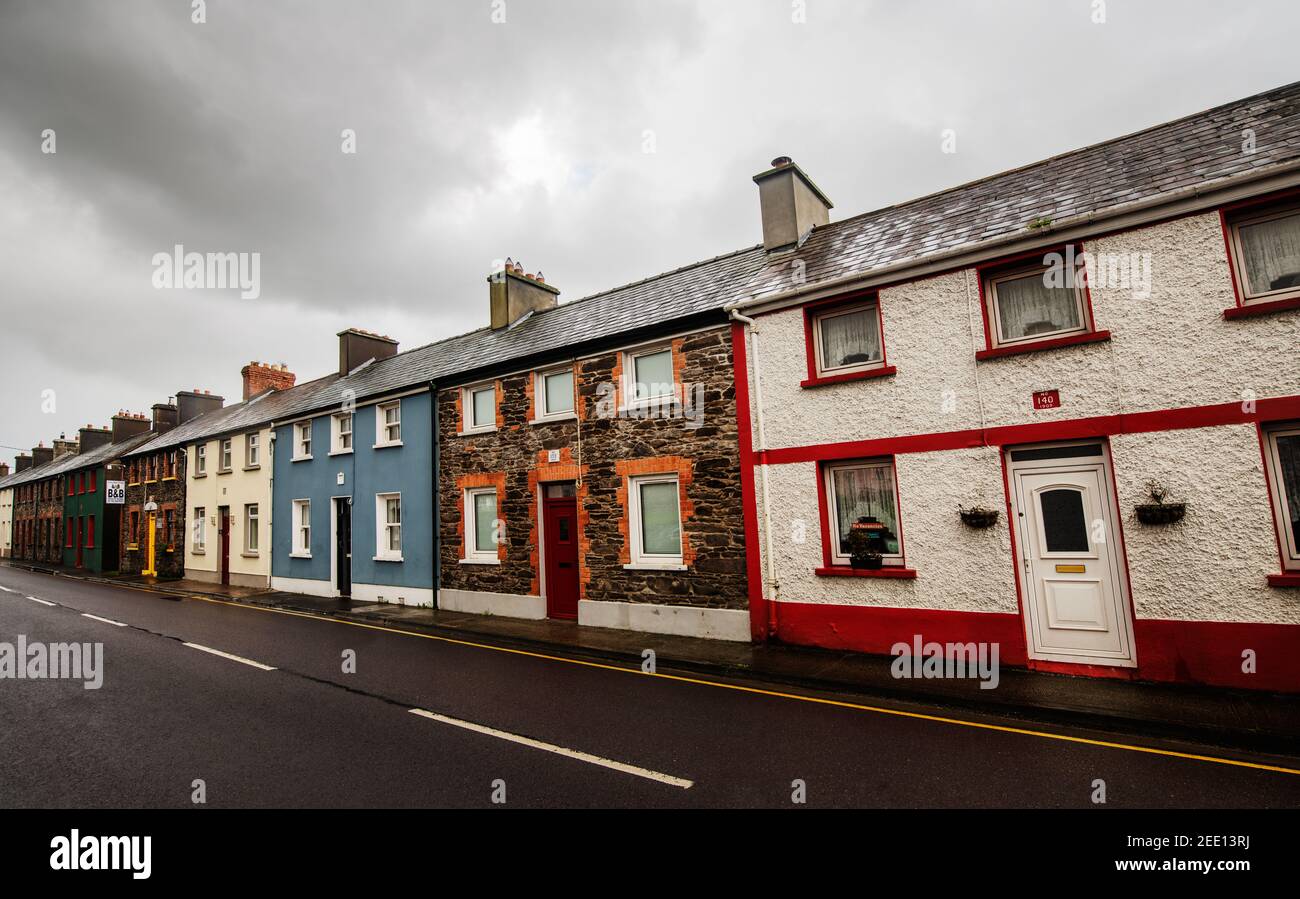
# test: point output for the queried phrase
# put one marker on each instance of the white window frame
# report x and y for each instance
(337, 433)
(467, 408)
(640, 558)
(253, 449)
(382, 424)
(226, 455)
(302, 435)
(1281, 513)
(301, 518)
(539, 393)
(200, 460)
(838, 559)
(382, 527)
(1235, 224)
(199, 535)
(629, 376)
(1015, 273)
(471, 553)
(252, 516)
(819, 316)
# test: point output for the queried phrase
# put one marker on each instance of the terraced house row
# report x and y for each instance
(1057, 409)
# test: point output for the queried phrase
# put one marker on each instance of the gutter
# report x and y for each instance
(751, 333)
(1120, 218)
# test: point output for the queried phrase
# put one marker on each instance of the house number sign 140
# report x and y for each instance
(1047, 399)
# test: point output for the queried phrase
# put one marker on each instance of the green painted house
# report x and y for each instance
(90, 522)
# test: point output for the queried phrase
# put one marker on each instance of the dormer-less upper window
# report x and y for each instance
(1266, 253)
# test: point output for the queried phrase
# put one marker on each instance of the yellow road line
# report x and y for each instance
(776, 693)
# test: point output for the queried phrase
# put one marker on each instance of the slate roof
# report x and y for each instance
(1199, 149)
(75, 461)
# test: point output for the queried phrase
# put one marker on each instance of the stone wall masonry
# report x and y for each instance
(604, 450)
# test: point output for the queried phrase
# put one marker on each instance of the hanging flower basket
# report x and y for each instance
(1158, 511)
(978, 517)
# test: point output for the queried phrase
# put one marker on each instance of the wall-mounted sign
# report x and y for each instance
(340, 477)
(1047, 399)
(553, 456)
(115, 493)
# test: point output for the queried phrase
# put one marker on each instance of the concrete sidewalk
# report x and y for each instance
(1258, 722)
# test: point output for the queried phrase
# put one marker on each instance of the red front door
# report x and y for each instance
(560, 525)
(223, 539)
(81, 539)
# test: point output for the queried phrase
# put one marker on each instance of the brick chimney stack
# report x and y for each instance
(260, 377)
(65, 447)
(42, 454)
(4, 469)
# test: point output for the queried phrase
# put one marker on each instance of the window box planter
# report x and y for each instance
(978, 517)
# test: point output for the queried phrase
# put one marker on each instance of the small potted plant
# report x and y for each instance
(1158, 511)
(865, 542)
(978, 516)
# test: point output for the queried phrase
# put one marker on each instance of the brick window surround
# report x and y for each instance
(678, 465)
(495, 479)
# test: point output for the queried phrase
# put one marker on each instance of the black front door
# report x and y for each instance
(343, 545)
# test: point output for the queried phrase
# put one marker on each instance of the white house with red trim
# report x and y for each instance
(1049, 344)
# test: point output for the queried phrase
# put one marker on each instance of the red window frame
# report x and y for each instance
(90, 532)
(1249, 308)
(92, 485)
(829, 568)
(70, 520)
(811, 311)
(992, 268)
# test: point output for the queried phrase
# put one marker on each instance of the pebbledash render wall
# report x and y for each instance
(708, 598)
(1200, 590)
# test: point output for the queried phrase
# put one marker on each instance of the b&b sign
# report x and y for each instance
(115, 493)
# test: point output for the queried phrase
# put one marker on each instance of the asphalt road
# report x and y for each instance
(542, 731)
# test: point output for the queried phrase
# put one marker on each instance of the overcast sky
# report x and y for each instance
(600, 142)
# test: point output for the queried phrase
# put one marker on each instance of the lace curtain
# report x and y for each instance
(866, 492)
(1027, 306)
(850, 339)
(1271, 252)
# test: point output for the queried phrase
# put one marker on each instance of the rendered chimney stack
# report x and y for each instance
(164, 417)
(790, 203)
(22, 462)
(127, 425)
(4, 469)
(42, 454)
(65, 447)
(513, 293)
(193, 403)
(357, 346)
(92, 437)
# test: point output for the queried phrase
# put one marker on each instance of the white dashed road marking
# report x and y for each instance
(105, 620)
(44, 602)
(559, 750)
(226, 655)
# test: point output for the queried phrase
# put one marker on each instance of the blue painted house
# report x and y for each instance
(353, 492)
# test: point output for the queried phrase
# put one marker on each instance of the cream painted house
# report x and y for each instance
(228, 508)
(6, 522)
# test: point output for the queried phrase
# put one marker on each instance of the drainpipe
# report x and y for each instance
(751, 333)
(437, 504)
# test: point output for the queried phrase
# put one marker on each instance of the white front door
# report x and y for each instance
(1076, 602)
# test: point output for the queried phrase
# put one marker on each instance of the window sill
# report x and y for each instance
(475, 432)
(889, 571)
(1285, 579)
(199, 474)
(247, 555)
(168, 479)
(1250, 310)
(883, 372)
(654, 566)
(252, 467)
(300, 555)
(387, 445)
(388, 559)
(1051, 343)
(300, 458)
(551, 419)
(225, 471)
(346, 452)
(480, 561)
